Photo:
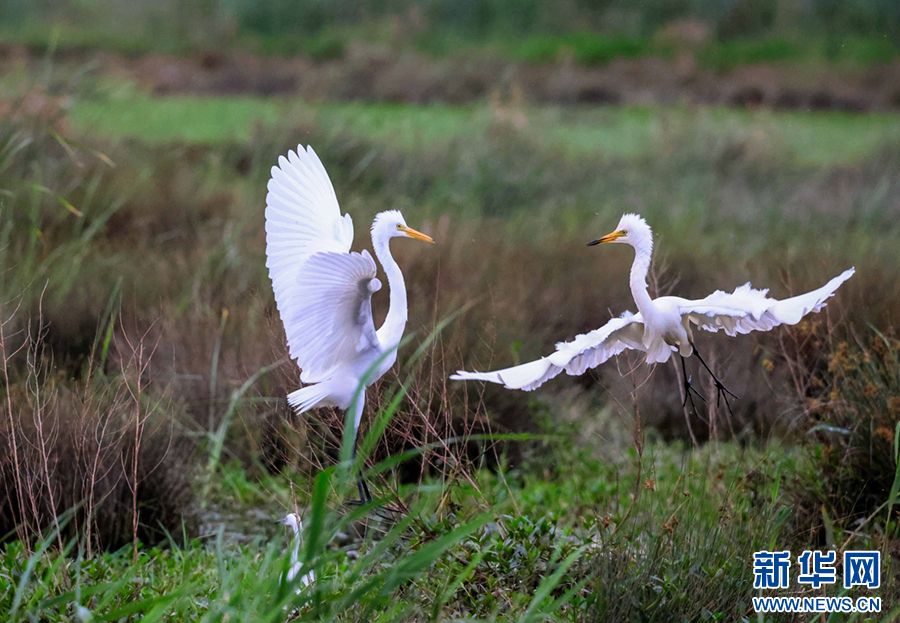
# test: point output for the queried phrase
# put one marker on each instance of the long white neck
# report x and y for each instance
(295, 548)
(391, 332)
(643, 252)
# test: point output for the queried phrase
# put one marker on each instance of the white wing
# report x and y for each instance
(302, 218)
(323, 292)
(747, 309)
(330, 317)
(585, 351)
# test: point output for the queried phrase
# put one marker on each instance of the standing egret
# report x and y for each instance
(662, 325)
(292, 521)
(324, 291)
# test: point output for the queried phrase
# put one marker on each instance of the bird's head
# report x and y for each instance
(391, 224)
(632, 230)
(292, 521)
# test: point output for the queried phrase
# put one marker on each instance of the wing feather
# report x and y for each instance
(748, 309)
(323, 292)
(331, 315)
(302, 218)
(587, 350)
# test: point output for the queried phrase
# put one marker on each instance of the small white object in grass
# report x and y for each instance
(292, 521)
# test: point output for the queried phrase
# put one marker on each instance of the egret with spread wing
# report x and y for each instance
(324, 291)
(663, 325)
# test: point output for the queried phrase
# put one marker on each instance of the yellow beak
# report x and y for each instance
(610, 237)
(416, 235)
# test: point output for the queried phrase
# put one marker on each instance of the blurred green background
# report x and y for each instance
(593, 32)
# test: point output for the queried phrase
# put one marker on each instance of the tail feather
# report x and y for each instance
(527, 376)
(307, 398)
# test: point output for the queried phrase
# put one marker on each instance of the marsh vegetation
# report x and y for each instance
(146, 448)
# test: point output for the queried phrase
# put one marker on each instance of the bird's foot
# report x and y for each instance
(689, 392)
(723, 391)
(722, 394)
(720, 387)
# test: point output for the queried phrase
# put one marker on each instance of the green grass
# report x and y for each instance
(846, 50)
(809, 139)
(180, 119)
(696, 509)
(584, 47)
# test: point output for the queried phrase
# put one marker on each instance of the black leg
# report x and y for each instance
(722, 392)
(689, 390)
(364, 495)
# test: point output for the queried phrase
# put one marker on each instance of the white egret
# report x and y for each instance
(324, 291)
(292, 521)
(663, 325)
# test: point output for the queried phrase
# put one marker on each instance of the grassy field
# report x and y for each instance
(823, 139)
(637, 534)
(144, 366)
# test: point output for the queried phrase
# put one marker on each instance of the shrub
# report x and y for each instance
(849, 391)
(103, 446)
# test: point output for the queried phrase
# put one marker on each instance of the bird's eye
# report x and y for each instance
(399, 226)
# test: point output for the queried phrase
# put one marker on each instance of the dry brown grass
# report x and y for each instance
(96, 456)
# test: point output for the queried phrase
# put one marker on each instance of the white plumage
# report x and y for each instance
(292, 521)
(324, 291)
(662, 326)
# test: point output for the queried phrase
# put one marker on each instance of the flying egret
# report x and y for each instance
(324, 291)
(663, 325)
(292, 521)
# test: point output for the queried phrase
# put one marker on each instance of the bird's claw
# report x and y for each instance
(689, 390)
(721, 389)
(722, 394)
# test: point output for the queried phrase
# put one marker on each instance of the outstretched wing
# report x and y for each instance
(302, 218)
(330, 317)
(747, 309)
(323, 291)
(587, 350)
